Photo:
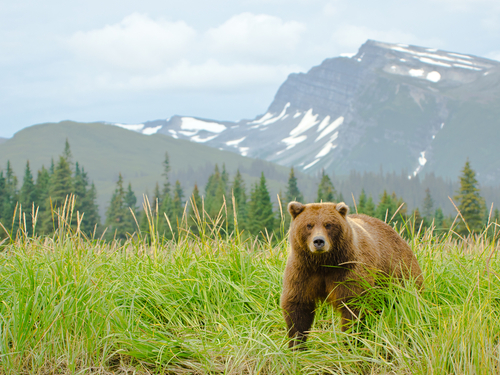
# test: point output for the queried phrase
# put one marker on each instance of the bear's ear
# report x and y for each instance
(295, 208)
(342, 208)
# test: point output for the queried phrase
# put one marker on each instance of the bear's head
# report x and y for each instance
(318, 227)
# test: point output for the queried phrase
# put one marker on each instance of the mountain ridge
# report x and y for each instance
(387, 105)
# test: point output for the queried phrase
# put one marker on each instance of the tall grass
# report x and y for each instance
(209, 304)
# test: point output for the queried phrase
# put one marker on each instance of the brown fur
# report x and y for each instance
(331, 254)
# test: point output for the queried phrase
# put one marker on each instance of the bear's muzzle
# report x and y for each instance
(319, 244)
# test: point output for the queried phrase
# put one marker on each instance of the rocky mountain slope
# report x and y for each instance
(390, 106)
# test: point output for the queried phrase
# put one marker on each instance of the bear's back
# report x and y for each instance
(379, 245)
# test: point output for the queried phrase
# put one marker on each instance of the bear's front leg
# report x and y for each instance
(299, 317)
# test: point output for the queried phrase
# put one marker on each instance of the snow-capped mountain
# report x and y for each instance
(390, 106)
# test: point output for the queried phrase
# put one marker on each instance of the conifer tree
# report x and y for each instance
(292, 191)
(387, 206)
(42, 195)
(157, 198)
(165, 174)
(118, 217)
(326, 190)
(362, 202)
(195, 208)
(214, 193)
(428, 206)
(260, 210)
(470, 202)
(370, 207)
(27, 197)
(439, 219)
(177, 207)
(131, 199)
(166, 198)
(61, 184)
(3, 202)
(10, 197)
(91, 220)
(80, 183)
(67, 153)
(240, 200)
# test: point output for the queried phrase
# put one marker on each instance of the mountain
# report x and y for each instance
(104, 151)
(390, 106)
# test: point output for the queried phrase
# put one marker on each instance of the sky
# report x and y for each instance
(129, 61)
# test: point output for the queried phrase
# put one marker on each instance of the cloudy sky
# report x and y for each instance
(130, 61)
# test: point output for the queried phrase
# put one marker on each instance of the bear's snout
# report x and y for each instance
(319, 244)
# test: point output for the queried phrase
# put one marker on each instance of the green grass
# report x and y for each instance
(210, 305)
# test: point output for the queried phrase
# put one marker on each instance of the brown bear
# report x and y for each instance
(335, 257)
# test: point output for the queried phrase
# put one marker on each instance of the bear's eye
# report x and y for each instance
(309, 226)
(328, 226)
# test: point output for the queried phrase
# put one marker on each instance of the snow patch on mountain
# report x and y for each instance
(307, 122)
(434, 76)
(135, 128)
(191, 123)
(151, 130)
(235, 142)
(334, 125)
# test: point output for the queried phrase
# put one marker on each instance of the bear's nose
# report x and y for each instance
(318, 242)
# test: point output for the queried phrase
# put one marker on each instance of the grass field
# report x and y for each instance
(210, 305)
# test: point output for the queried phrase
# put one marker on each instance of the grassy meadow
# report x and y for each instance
(209, 304)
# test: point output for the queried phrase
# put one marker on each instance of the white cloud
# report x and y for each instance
(210, 75)
(350, 37)
(260, 37)
(141, 53)
(137, 43)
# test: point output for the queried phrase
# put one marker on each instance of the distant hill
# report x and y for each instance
(393, 106)
(104, 151)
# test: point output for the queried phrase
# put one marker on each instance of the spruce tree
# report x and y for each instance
(195, 209)
(118, 217)
(214, 192)
(439, 219)
(370, 209)
(42, 187)
(260, 213)
(10, 197)
(362, 201)
(386, 207)
(60, 188)
(470, 202)
(61, 184)
(67, 153)
(91, 220)
(131, 199)
(79, 188)
(165, 174)
(166, 198)
(428, 206)
(3, 202)
(240, 200)
(326, 190)
(177, 207)
(292, 191)
(27, 197)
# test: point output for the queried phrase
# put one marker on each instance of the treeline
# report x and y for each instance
(35, 206)
(224, 204)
